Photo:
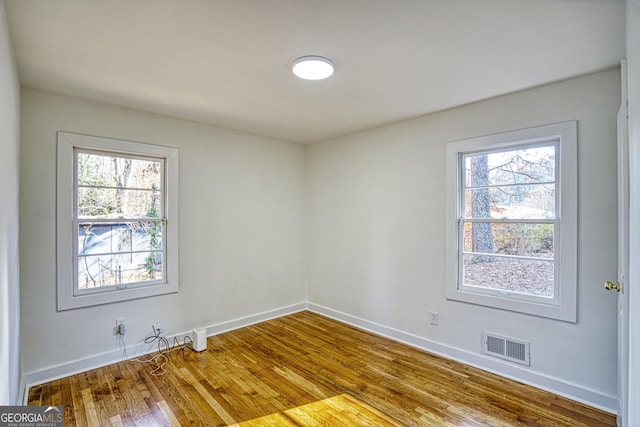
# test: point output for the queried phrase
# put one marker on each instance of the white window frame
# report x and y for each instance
(67, 292)
(564, 304)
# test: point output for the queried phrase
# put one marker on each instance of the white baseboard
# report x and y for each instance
(22, 391)
(53, 373)
(241, 322)
(557, 386)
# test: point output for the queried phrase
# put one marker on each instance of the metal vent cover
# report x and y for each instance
(506, 348)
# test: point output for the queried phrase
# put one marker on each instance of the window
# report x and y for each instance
(117, 220)
(512, 221)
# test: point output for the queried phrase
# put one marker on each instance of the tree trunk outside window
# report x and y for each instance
(481, 233)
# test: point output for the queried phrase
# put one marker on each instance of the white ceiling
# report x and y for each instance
(227, 62)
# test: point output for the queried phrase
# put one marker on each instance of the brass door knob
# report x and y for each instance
(611, 286)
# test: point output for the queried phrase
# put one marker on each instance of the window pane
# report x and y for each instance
(526, 166)
(517, 239)
(531, 277)
(116, 203)
(103, 238)
(116, 171)
(535, 201)
(96, 271)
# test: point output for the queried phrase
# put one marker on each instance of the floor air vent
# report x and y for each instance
(506, 348)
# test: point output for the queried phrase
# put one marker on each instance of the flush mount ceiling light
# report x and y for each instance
(313, 67)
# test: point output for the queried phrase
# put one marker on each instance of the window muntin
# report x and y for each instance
(531, 218)
(117, 219)
(119, 203)
(507, 221)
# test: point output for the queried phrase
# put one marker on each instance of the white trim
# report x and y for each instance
(66, 297)
(52, 373)
(241, 322)
(565, 306)
(557, 386)
(623, 249)
(632, 416)
(548, 383)
(23, 391)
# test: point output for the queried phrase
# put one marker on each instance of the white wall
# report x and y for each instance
(633, 63)
(241, 229)
(9, 264)
(372, 230)
(376, 235)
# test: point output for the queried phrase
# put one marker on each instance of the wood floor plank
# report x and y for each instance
(168, 413)
(116, 421)
(306, 370)
(35, 395)
(90, 408)
(78, 404)
(211, 401)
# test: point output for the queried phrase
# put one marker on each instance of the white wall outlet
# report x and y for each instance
(120, 327)
(433, 318)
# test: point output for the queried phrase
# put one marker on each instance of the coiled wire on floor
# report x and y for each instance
(159, 360)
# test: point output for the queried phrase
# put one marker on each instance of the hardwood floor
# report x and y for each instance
(306, 370)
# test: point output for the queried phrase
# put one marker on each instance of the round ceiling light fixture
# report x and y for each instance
(313, 67)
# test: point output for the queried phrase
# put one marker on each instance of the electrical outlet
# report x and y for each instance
(157, 328)
(120, 327)
(433, 318)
